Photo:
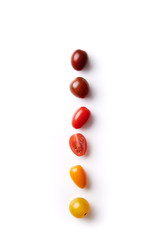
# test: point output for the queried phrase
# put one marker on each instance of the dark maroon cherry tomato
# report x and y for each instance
(80, 117)
(79, 87)
(79, 59)
(78, 144)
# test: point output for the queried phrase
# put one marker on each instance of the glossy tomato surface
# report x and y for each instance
(79, 176)
(80, 117)
(78, 144)
(79, 59)
(79, 207)
(79, 87)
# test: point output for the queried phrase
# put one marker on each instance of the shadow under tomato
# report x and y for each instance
(91, 215)
(90, 94)
(88, 66)
(88, 183)
(87, 154)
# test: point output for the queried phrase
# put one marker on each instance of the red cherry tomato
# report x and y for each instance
(79, 59)
(80, 117)
(78, 144)
(79, 87)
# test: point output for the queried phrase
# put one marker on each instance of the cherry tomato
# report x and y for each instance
(79, 207)
(79, 176)
(78, 144)
(80, 117)
(79, 87)
(79, 59)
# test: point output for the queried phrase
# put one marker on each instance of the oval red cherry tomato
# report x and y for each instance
(79, 59)
(78, 144)
(80, 117)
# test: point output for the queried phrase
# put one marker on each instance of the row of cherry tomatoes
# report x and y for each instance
(79, 207)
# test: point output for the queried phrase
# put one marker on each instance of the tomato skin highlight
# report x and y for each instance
(80, 117)
(79, 207)
(79, 59)
(79, 87)
(78, 144)
(79, 176)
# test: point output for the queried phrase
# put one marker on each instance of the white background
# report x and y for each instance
(37, 39)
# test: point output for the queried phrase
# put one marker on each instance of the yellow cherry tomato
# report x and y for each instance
(79, 176)
(79, 207)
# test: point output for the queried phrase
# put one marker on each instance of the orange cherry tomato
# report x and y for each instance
(79, 176)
